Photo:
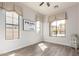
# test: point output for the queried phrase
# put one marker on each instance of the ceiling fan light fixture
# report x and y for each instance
(47, 3)
(41, 3)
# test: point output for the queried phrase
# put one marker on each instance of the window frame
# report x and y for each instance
(39, 26)
(56, 28)
(18, 25)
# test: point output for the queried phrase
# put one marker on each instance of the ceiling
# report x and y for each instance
(45, 10)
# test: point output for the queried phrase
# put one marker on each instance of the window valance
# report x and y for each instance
(11, 6)
(59, 16)
(39, 17)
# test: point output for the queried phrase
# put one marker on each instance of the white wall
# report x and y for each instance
(72, 27)
(27, 37)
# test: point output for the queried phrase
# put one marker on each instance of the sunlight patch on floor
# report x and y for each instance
(42, 46)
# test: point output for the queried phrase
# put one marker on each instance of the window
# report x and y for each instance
(57, 28)
(38, 26)
(12, 25)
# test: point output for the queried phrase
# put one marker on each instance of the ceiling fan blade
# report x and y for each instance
(48, 4)
(42, 3)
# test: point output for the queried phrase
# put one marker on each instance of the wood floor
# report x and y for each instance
(44, 49)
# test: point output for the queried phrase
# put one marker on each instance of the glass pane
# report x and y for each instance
(38, 26)
(15, 18)
(15, 21)
(53, 29)
(9, 26)
(12, 25)
(15, 15)
(61, 28)
(15, 32)
(15, 27)
(9, 34)
(9, 14)
(9, 20)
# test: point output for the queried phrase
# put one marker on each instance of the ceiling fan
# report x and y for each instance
(48, 4)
